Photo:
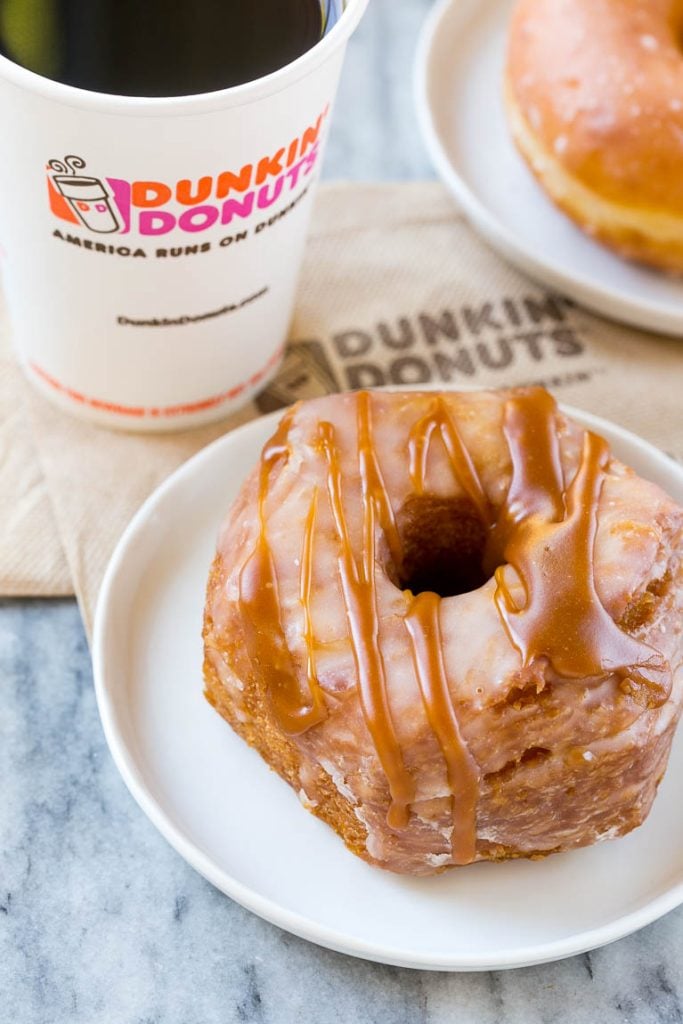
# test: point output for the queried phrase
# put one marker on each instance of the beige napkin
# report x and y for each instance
(31, 556)
(396, 289)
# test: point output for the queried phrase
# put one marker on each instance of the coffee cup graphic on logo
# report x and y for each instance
(87, 197)
(153, 244)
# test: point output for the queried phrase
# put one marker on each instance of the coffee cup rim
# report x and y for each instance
(196, 103)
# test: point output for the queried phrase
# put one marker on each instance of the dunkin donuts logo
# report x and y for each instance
(79, 198)
(107, 205)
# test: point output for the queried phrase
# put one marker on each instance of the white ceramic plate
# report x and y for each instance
(234, 820)
(458, 82)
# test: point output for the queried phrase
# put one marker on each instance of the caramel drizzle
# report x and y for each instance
(372, 478)
(544, 531)
(422, 622)
(305, 583)
(537, 485)
(462, 466)
(548, 535)
(360, 600)
(295, 709)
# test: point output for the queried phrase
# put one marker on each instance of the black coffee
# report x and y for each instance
(157, 47)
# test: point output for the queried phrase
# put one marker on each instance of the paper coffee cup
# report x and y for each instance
(152, 246)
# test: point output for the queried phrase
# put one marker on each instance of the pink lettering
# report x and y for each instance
(265, 200)
(199, 219)
(310, 159)
(121, 192)
(158, 222)
(306, 164)
(237, 208)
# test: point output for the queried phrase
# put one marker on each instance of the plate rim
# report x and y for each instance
(265, 907)
(618, 306)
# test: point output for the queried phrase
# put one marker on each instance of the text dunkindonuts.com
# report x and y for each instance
(152, 208)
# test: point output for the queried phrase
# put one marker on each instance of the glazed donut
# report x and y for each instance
(449, 621)
(594, 96)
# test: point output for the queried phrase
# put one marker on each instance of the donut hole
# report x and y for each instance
(444, 542)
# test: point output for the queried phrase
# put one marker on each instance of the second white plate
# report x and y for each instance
(458, 80)
(238, 824)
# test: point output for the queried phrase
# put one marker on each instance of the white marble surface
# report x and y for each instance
(102, 923)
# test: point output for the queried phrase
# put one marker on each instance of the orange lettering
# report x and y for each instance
(184, 191)
(150, 193)
(269, 165)
(310, 136)
(292, 151)
(239, 182)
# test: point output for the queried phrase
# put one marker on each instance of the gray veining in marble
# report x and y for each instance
(101, 922)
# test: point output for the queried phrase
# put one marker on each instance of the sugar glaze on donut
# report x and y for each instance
(594, 96)
(452, 622)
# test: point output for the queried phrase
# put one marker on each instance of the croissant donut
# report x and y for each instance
(594, 95)
(452, 623)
